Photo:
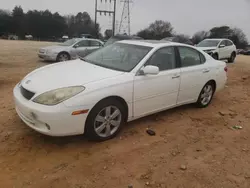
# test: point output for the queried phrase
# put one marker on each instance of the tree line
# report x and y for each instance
(44, 25)
(162, 29)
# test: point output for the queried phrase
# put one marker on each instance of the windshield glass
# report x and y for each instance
(208, 43)
(69, 42)
(118, 56)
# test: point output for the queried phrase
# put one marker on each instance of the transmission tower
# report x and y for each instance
(125, 19)
(106, 12)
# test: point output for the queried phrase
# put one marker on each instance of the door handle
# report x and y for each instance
(206, 71)
(176, 76)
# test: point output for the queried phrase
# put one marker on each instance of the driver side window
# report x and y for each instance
(223, 42)
(163, 58)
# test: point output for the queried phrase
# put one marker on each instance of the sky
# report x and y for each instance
(186, 16)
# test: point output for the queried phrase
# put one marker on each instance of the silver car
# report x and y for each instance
(71, 49)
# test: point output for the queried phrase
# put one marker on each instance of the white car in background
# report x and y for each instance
(70, 49)
(220, 49)
(118, 83)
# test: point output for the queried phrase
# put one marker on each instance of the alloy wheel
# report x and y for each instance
(206, 95)
(107, 121)
(63, 57)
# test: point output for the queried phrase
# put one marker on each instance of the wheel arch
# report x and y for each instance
(213, 82)
(117, 98)
(217, 54)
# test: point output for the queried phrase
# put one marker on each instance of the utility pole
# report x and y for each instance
(105, 12)
(125, 19)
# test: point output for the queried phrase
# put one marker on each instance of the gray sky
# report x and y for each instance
(186, 16)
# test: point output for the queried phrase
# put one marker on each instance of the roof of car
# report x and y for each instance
(78, 39)
(151, 43)
(123, 37)
(220, 39)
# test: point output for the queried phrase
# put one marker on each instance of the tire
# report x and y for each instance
(206, 95)
(215, 56)
(63, 56)
(100, 125)
(232, 58)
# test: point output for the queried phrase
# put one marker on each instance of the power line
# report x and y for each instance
(106, 12)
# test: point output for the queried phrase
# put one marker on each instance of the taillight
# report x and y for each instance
(225, 69)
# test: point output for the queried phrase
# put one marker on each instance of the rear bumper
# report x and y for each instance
(49, 120)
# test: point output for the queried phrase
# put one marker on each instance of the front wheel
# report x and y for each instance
(215, 56)
(105, 120)
(206, 95)
(62, 57)
(232, 57)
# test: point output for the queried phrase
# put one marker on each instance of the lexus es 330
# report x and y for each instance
(116, 84)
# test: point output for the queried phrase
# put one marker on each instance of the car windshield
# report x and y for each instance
(208, 43)
(69, 42)
(118, 56)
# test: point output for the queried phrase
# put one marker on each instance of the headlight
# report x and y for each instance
(57, 96)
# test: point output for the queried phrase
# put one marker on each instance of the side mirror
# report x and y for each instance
(150, 70)
(76, 46)
(222, 46)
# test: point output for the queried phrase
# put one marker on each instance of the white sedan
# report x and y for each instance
(116, 84)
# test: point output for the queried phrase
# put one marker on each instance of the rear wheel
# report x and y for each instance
(63, 57)
(105, 120)
(232, 57)
(206, 95)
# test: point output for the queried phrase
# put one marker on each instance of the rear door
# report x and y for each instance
(81, 48)
(194, 74)
(94, 45)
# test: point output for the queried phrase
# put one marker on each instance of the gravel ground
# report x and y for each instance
(192, 147)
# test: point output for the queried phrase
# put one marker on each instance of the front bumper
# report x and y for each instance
(47, 57)
(50, 120)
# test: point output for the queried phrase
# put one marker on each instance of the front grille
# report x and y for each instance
(26, 93)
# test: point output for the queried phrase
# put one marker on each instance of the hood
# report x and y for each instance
(54, 48)
(65, 74)
(206, 48)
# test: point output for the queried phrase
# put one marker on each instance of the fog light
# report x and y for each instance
(33, 115)
(48, 127)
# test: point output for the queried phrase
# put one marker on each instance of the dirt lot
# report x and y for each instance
(202, 140)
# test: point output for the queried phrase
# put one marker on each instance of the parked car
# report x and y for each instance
(71, 49)
(88, 36)
(178, 39)
(239, 51)
(219, 49)
(121, 37)
(122, 82)
(247, 52)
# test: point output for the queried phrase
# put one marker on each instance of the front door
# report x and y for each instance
(223, 50)
(194, 74)
(153, 93)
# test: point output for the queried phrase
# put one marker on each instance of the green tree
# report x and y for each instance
(158, 30)
(18, 21)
